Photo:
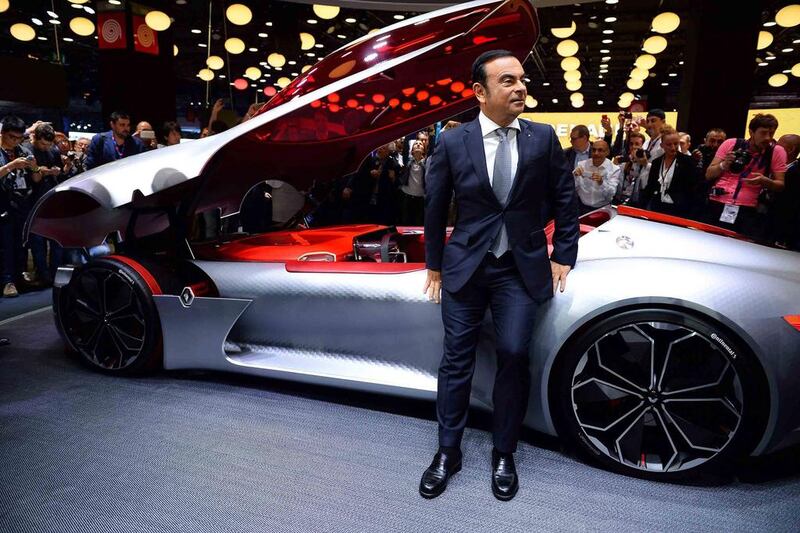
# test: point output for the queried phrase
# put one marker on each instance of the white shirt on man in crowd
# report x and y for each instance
(590, 192)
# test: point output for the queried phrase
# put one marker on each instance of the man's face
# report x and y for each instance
(599, 152)
(173, 137)
(10, 139)
(81, 145)
(121, 128)
(42, 145)
(670, 144)
(503, 97)
(653, 125)
(762, 137)
(634, 144)
(684, 144)
(714, 139)
(790, 143)
(578, 142)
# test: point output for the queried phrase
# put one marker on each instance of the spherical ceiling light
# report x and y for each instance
(22, 32)
(276, 60)
(73, 2)
(239, 14)
(270, 91)
(576, 96)
(796, 70)
(240, 84)
(639, 74)
(789, 16)
(572, 75)
(283, 82)
(645, 61)
(305, 68)
(778, 80)
(567, 48)
(206, 74)
(635, 85)
(82, 26)
(234, 45)
(764, 39)
(570, 63)
(307, 41)
(627, 96)
(326, 12)
(623, 104)
(215, 62)
(157, 20)
(577, 103)
(563, 33)
(174, 49)
(666, 22)
(655, 44)
(4, 5)
(574, 85)
(253, 73)
(530, 102)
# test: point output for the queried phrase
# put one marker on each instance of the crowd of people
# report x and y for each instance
(749, 185)
(34, 159)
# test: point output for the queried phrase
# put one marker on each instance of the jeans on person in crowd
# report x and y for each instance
(39, 246)
(14, 256)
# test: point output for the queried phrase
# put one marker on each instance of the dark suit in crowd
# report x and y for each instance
(681, 189)
(473, 278)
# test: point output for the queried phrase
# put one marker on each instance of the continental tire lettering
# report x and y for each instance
(126, 276)
(722, 343)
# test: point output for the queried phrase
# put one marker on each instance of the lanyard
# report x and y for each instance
(754, 162)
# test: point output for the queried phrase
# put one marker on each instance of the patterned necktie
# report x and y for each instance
(501, 185)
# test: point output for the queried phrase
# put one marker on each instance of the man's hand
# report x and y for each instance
(433, 286)
(347, 192)
(20, 162)
(606, 123)
(757, 179)
(578, 171)
(218, 105)
(597, 178)
(50, 171)
(559, 275)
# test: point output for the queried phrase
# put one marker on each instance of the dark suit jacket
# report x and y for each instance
(543, 183)
(570, 154)
(681, 188)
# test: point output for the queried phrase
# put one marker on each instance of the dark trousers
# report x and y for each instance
(14, 254)
(412, 209)
(498, 285)
(38, 246)
(749, 221)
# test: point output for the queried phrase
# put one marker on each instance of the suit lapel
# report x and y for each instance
(474, 143)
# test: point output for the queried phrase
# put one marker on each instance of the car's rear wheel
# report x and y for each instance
(659, 394)
(107, 316)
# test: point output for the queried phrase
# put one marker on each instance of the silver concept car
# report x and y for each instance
(675, 349)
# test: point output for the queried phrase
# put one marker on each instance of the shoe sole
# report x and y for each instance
(505, 497)
(431, 495)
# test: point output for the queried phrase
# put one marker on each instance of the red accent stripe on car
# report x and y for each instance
(793, 320)
(356, 267)
(148, 278)
(635, 212)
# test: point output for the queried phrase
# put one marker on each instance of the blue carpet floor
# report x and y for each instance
(196, 452)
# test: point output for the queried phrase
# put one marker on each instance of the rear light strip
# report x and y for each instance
(793, 320)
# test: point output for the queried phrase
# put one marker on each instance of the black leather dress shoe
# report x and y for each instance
(434, 479)
(505, 482)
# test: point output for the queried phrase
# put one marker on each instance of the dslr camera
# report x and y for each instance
(741, 158)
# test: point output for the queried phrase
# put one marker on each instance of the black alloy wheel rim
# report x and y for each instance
(103, 316)
(657, 397)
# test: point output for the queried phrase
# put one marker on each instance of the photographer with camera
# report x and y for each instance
(48, 158)
(742, 171)
(634, 171)
(18, 173)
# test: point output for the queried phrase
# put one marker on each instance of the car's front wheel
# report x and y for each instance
(106, 314)
(659, 394)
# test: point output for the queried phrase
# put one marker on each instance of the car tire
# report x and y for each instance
(659, 394)
(107, 316)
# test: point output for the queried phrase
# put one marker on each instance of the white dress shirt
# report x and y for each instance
(665, 180)
(491, 141)
(591, 193)
(653, 147)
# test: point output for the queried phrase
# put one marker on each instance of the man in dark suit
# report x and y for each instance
(506, 174)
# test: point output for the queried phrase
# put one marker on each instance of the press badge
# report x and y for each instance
(729, 214)
(19, 182)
